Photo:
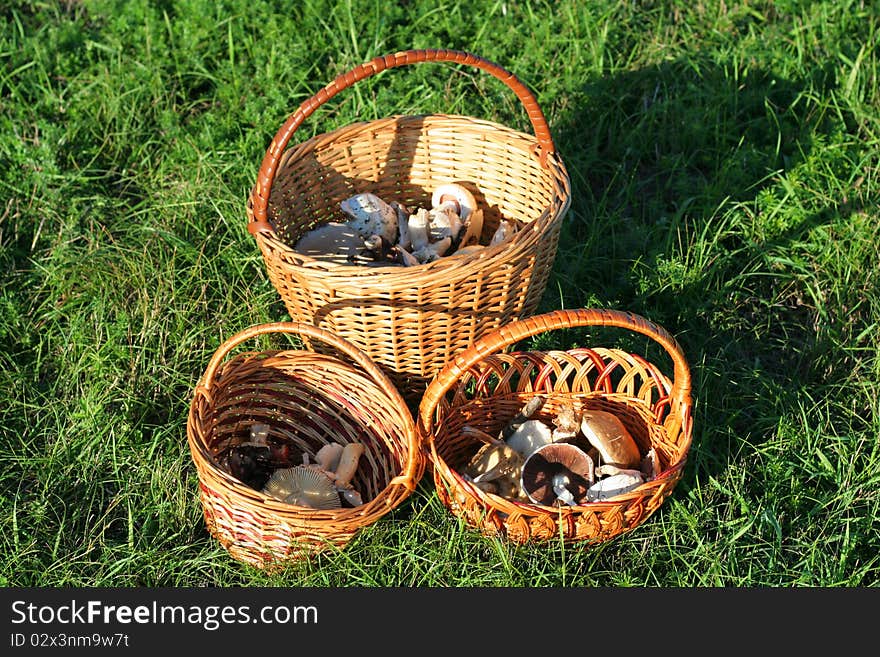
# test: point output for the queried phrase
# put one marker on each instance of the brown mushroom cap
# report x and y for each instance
(608, 434)
(552, 459)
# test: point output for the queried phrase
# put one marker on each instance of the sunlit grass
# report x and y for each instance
(724, 184)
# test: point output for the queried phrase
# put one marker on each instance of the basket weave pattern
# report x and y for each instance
(411, 320)
(307, 399)
(484, 387)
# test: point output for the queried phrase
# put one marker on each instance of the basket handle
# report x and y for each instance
(269, 166)
(512, 333)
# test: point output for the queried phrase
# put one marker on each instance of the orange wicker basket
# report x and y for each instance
(307, 399)
(485, 386)
(410, 320)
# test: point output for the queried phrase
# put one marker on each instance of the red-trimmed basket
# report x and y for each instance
(484, 387)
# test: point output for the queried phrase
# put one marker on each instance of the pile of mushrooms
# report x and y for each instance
(324, 484)
(377, 232)
(535, 461)
(267, 466)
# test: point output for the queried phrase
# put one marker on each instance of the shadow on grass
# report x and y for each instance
(671, 167)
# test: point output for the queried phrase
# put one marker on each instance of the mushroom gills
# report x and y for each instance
(303, 485)
(557, 472)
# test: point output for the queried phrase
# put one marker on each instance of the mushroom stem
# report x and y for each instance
(348, 462)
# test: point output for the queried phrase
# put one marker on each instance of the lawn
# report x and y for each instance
(724, 184)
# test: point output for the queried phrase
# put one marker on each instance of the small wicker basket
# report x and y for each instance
(410, 320)
(484, 387)
(307, 399)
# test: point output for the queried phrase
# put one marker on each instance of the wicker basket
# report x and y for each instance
(484, 387)
(410, 320)
(307, 399)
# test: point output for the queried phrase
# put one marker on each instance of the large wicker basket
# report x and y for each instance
(484, 387)
(410, 320)
(308, 399)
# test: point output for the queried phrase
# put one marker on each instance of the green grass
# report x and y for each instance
(724, 165)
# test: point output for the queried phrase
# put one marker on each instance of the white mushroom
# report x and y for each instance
(473, 229)
(403, 239)
(607, 470)
(567, 423)
(464, 201)
(348, 462)
(530, 435)
(378, 248)
(493, 461)
(505, 231)
(328, 456)
(370, 215)
(527, 411)
(469, 215)
(560, 481)
(332, 241)
(419, 230)
(613, 485)
(433, 250)
(650, 466)
(444, 222)
(403, 257)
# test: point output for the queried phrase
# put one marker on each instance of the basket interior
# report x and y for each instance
(403, 159)
(489, 394)
(307, 400)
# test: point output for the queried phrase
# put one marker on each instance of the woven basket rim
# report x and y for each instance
(215, 478)
(489, 255)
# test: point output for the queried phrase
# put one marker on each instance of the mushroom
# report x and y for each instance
(433, 250)
(370, 215)
(464, 202)
(332, 241)
(328, 456)
(608, 434)
(403, 257)
(348, 462)
(303, 485)
(650, 466)
(506, 230)
(557, 471)
(473, 229)
(531, 407)
(403, 239)
(492, 462)
(614, 485)
(567, 423)
(608, 470)
(530, 435)
(378, 248)
(444, 223)
(419, 229)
